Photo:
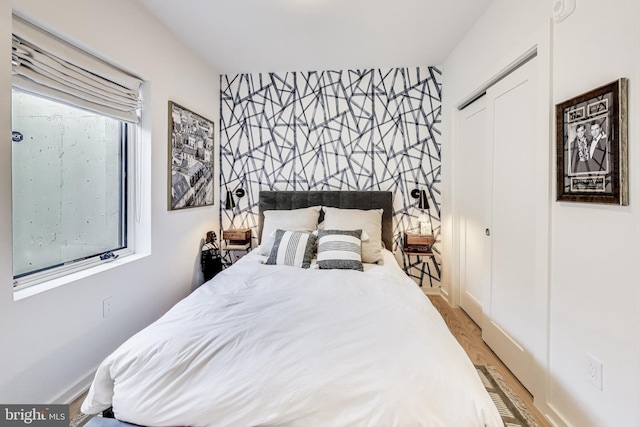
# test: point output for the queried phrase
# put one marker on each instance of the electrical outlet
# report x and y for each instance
(594, 371)
(108, 306)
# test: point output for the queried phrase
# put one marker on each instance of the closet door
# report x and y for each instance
(508, 325)
(472, 195)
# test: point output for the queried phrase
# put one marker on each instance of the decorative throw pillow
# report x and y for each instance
(294, 248)
(369, 221)
(339, 249)
(305, 219)
(364, 236)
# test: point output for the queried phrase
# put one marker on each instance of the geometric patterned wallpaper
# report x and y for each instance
(373, 129)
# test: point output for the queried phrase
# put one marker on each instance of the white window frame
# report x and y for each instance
(56, 276)
(37, 282)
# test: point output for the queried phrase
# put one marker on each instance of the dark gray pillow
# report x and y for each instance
(294, 248)
(340, 249)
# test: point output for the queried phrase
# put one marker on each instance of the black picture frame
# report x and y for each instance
(591, 132)
(191, 163)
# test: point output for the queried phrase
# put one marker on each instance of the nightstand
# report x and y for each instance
(236, 240)
(419, 246)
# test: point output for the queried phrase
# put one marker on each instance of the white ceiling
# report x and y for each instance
(242, 36)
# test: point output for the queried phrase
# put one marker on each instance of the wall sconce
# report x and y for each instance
(230, 203)
(423, 204)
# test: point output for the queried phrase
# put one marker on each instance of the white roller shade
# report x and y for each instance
(45, 65)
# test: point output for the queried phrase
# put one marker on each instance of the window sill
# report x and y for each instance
(72, 277)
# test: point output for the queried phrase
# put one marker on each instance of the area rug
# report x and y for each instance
(512, 410)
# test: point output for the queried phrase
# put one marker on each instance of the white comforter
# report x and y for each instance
(275, 345)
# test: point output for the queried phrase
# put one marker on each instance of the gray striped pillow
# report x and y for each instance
(340, 249)
(294, 248)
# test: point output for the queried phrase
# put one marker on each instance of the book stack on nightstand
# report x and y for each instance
(237, 239)
(418, 244)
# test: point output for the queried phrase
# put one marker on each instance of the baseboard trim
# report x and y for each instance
(76, 390)
(444, 294)
(430, 291)
(552, 415)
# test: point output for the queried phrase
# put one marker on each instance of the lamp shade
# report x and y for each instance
(230, 203)
(423, 202)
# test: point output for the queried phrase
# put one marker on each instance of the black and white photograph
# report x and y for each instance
(592, 146)
(191, 159)
(588, 147)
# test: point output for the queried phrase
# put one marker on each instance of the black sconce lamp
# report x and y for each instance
(423, 204)
(230, 202)
(421, 195)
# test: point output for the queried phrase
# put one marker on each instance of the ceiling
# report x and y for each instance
(245, 36)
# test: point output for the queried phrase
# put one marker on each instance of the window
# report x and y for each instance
(73, 121)
(68, 184)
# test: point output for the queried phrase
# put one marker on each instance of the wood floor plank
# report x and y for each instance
(469, 335)
(74, 407)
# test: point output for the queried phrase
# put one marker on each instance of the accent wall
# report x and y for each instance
(371, 129)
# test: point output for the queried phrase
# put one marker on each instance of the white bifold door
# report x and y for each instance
(498, 190)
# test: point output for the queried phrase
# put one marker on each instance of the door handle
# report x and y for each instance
(487, 232)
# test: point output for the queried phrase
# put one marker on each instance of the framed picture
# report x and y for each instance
(592, 146)
(190, 159)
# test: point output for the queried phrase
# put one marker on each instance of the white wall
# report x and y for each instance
(594, 291)
(52, 342)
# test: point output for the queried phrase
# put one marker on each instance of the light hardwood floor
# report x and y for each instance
(74, 408)
(469, 336)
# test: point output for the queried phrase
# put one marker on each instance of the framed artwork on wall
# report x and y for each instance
(592, 146)
(190, 159)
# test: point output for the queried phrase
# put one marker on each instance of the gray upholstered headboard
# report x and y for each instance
(283, 200)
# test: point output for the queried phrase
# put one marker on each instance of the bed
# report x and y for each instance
(267, 343)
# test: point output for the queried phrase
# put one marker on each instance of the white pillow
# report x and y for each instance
(305, 219)
(369, 221)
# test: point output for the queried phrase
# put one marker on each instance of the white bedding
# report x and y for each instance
(276, 345)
